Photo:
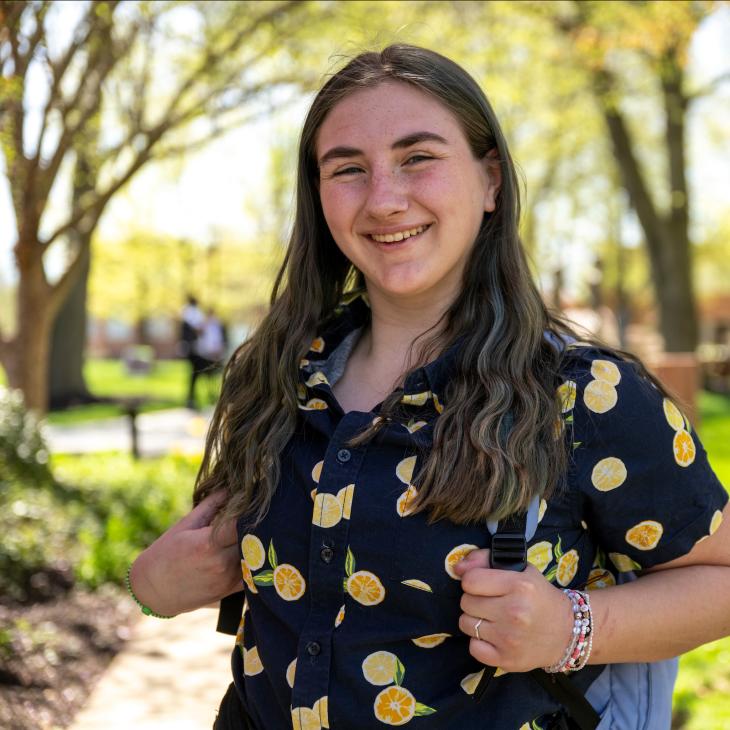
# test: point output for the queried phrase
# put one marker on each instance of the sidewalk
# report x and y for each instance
(171, 676)
(159, 432)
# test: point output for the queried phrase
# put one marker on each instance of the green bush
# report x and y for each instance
(87, 520)
(23, 453)
(127, 504)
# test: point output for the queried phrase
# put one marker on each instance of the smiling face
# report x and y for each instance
(401, 191)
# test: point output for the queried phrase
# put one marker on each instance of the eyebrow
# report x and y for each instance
(408, 141)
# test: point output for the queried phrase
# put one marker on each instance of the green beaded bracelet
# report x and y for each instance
(146, 610)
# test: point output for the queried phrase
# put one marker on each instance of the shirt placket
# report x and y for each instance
(327, 555)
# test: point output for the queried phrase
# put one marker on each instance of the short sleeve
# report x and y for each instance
(644, 486)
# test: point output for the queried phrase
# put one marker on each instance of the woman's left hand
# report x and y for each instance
(526, 621)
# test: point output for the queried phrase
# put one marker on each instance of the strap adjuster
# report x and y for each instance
(509, 551)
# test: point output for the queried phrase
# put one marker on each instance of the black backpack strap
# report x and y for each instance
(229, 613)
(509, 552)
(580, 711)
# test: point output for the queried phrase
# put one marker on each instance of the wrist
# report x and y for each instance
(142, 591)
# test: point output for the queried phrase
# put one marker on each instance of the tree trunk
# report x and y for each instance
(68, 340)
(27, 365)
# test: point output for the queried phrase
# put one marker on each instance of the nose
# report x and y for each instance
(386, 195)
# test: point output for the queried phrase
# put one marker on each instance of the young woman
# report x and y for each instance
(407, 390)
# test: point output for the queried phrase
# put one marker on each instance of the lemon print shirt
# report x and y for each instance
(352, 604)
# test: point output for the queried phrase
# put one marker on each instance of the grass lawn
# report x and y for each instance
(166, 386)
(702, 693)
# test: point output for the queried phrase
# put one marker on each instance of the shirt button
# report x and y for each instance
(343, 456)
(313, 648)
(326, 554)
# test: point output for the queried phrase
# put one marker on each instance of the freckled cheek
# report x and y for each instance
(340, 207)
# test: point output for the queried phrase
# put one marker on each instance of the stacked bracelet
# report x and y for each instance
(581, 641)
(145, 609)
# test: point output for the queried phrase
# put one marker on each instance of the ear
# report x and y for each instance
(493, 179)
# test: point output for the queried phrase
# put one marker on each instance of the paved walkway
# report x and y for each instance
(171, 676)
(159, 432)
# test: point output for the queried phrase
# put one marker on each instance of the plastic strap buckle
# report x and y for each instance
(509, 551)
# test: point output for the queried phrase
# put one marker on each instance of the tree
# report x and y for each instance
(218, 69)
(632, 50)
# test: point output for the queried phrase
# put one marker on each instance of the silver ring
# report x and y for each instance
(476, 629)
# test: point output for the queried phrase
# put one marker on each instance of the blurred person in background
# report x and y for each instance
(408, 421)
(191, 328)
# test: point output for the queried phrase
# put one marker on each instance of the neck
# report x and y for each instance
(397, 323)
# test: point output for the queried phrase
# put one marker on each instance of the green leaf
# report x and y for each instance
(550, 575)
(569, 419)
(344, 585)
(273, 560)
(558, 550)
(265, 578)
(422, 710)
(349, 562)
(400, 672)
(576, 444)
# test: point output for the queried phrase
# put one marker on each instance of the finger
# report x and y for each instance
(470, 624)
(485, 652)
(203, 514)
(490, 608)
(476, 558)
(488, 581)
(225, 534)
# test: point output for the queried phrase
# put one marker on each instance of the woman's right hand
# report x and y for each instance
(189, 566)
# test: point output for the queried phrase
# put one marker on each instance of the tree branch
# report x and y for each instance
(58, 71)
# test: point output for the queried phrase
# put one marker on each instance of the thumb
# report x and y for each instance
(475, 559)
(202, 514)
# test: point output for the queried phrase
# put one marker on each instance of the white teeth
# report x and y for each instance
(400, 236)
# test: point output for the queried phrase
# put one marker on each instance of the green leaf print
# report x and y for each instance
(576, 444)
(265, 578)
(422, 710)
(558, 550)
(400, 672)
(349, 562)
(535, 726)
(273, 560)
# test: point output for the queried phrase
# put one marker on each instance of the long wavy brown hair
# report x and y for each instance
(495, 443)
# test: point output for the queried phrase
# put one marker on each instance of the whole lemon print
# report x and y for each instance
(645, 535)
(608, 474)
(395, 706)
(253, 551)
(600, 396)
(684, 449)
(606, 371)
(379, 668)
(365, 587)
(673, 415)
(288, 582)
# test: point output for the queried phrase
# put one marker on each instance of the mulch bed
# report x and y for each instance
(52, 654)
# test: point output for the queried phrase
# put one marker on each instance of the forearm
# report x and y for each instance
(661, 615)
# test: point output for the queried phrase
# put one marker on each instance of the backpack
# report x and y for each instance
(627, 696)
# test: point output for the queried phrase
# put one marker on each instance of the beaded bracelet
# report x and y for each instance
(581, 642)
(145, 609)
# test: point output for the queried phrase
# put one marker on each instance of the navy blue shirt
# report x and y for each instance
(352, 605)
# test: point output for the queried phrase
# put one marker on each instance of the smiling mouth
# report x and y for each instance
(400, 235)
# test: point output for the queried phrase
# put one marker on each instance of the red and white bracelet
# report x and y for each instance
(581, 642)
